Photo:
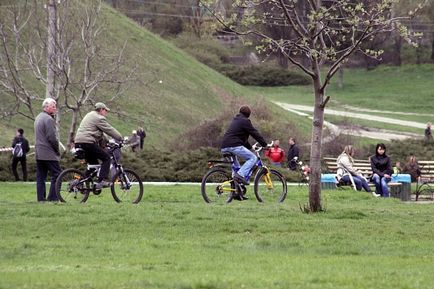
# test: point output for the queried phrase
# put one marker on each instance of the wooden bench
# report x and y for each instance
(425, 183)
(396, 188)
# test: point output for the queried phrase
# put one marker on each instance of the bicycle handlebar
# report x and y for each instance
(257, 148)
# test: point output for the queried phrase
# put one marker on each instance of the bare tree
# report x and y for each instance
(80, 68)
(327, 36)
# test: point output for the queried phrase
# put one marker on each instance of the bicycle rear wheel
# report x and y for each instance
(127, 187)
(70, 188)
(270, 186)
(217, 186)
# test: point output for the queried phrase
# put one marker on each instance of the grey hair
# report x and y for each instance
(48, 101)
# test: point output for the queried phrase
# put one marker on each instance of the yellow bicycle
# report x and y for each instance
(219, 186)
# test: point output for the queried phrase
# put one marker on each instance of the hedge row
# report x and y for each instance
(150, 164)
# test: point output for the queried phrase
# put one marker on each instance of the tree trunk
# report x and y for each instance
(315, 151)
(72, 128)
(51, 48)
(283, 61)
(432, 48)
(340, 78)
(398, 46)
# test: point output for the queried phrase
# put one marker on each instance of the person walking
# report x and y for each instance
(293, 154)
(381, 166)
(428, 133)
(90, 136)
(46, 151)
(20, 148)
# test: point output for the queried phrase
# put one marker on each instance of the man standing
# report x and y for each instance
(293, 154)
(428, 133)
(142, 134)
(235, 141)
(90, 135)
(47, 150)
(20, 147)
(275, 154)
(134, 141)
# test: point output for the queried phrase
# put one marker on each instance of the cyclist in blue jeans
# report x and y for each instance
(235, 141)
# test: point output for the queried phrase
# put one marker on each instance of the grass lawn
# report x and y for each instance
(408, 88)
(174, 240)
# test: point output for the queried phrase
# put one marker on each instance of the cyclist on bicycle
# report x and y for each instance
(235, 141)
(90, 136)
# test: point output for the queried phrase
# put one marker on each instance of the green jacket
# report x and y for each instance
(92, 128)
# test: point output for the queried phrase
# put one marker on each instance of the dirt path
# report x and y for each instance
(358, 131)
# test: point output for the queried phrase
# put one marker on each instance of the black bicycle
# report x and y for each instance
(72, 185)
(219, 186)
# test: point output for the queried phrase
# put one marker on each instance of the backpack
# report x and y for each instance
(17, 151)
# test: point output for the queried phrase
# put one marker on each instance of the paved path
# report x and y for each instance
(369, 132)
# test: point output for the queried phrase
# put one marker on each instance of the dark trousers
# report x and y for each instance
(23, 162)
(93, 153)
(42, 169)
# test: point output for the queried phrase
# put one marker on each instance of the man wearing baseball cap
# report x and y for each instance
(89, 136)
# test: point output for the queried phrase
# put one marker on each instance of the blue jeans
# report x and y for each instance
(247, 155)
(42, 169)
(381, 185)
(358, 181)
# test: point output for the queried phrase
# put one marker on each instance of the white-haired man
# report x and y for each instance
(46, 150)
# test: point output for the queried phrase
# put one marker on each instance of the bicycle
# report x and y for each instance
(72, 185)
(218, 184)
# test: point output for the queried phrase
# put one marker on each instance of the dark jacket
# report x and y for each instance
(381, 165)
(238, 133)
(293, 151)
(413, 169)
(24, 144)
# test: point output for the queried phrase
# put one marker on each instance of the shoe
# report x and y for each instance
(375, 194)
(102, 184)
(240, 179)
(240, 198)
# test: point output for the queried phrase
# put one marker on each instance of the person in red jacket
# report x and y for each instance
(275, 154)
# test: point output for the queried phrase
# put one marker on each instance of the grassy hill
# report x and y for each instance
(188, 93)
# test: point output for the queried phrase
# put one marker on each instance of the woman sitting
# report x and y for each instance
(381, 166)
(412, 168)
(348, 174)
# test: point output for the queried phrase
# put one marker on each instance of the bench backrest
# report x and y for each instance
(362, 165)
(426, 169)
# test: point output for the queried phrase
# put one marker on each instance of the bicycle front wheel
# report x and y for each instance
(70, 187)
(217, 186)
(270, 186)
(127, 187)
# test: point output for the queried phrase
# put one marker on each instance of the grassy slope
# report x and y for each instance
(190, 92)
(174, 240)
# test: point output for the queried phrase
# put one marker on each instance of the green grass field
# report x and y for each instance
(174, 240)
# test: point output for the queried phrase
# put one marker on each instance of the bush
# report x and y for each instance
(206, 50)
(263, 75)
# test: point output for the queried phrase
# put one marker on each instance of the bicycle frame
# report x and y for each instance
(259, 165)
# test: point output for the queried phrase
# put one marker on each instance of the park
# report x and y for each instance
(162, 67)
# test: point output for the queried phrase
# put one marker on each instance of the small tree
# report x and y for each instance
(325, 34)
